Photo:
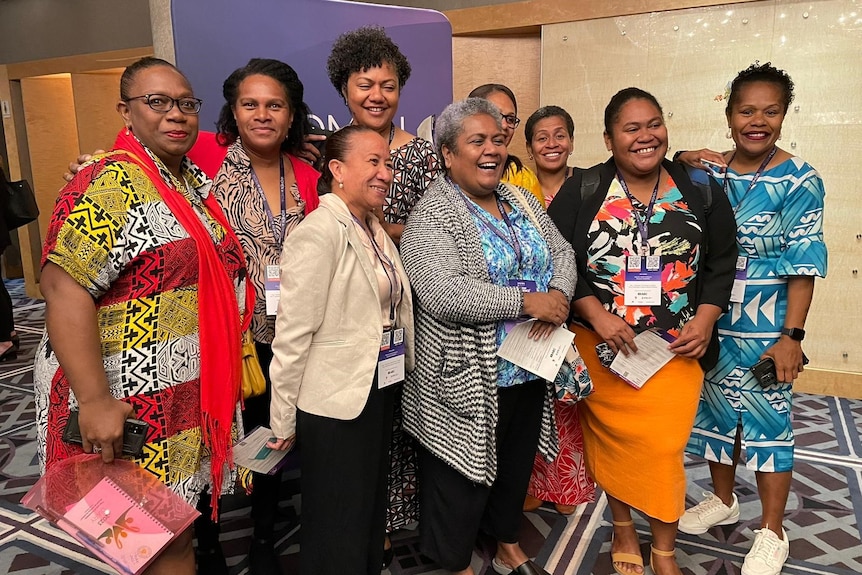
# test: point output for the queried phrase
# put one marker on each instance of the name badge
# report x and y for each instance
(390, 362)
(271, 289)
(737, 293)
(642, 288)
(526, 286)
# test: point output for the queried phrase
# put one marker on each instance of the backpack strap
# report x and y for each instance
(700, 179)
(590, 179)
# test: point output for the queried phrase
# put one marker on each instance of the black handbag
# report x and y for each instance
(21, 207)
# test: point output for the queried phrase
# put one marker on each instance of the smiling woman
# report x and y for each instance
(343, 292)
(653, 252)
(469, 245)
(128, 234)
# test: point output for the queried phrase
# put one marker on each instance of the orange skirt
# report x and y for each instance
(634, 439)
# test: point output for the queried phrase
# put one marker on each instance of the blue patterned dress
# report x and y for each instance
(780, 230)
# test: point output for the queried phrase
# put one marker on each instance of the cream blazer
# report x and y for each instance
(328, 325)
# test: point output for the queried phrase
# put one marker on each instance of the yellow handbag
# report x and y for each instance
(253, 382)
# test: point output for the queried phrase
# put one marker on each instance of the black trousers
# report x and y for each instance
(265, 492)
(7, 325)
(453, 509)
(345, 466)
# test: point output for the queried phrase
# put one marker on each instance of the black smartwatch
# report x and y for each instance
(794, 333)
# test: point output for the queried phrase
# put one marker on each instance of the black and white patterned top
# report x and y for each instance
(450, 398)
(414, 166)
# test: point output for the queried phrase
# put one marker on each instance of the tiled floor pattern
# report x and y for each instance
(824, 512)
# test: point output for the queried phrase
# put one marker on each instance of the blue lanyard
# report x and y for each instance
(511, 239)
(756, 177)
(642, 220)
(384, 261)
(277, 230)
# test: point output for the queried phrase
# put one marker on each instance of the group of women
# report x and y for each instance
(399, 272)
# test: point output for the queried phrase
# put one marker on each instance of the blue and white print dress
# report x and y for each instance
(780, 230)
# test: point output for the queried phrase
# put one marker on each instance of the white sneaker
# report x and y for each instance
(767, 555)
(709, 513)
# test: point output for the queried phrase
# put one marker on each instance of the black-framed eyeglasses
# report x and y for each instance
(512, 120)
(163, 104)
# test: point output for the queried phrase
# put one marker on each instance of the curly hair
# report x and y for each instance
(761, 73)
(548, 112)
(226, 126)
(360, 50)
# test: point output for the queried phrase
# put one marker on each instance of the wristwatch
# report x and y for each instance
(794, 333)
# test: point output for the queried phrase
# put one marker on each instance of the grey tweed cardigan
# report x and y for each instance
(450, 398)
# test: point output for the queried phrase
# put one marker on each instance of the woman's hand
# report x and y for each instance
(551, 306)
(102, 422)
(693, 338)
(282, 444)
(787, 355)
(541, 330)
(615, 331)
(75, 167)
(693, 158)
(309, 152)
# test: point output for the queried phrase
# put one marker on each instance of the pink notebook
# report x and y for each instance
(109, 522)
(118, 511)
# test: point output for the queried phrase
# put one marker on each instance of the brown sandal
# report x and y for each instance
(621, 557)
(653, 552)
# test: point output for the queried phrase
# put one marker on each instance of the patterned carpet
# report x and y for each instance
(824, 513)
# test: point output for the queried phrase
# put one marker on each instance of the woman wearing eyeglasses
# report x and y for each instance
(144, 283)
(515, 173)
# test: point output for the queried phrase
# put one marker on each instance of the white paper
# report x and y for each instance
(543, 357)
(653, 354)
(253, 453)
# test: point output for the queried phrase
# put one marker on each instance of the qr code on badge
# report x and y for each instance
(398, 336)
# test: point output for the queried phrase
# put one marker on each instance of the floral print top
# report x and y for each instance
(674, 234)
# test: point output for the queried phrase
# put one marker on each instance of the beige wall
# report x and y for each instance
(510, 60)
(49, 115)
(96, 95)
(686, 58)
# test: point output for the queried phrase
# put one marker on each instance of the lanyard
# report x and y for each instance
(277, 230)
(757, 175)
(642, 220)
(511, 239)
(384, 261)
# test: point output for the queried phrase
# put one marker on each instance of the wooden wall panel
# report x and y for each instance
(49, 114)
(511, 60)
(96, 95)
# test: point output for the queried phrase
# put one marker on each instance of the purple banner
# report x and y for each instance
(214, 37)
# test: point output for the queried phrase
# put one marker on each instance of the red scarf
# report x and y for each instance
(220, 332)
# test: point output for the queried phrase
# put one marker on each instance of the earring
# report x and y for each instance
(779, 136)
(128, 131)
(531, 156)
(729, 134)
(341, 185)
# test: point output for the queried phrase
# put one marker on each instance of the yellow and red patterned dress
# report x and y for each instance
(112, 232)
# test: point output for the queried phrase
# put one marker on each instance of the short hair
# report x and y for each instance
(338, 147)
(131, 72)
(228, 131)
(360, 50)
(450, 123)
(548, 112)
(623, 97)
(761, 73)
